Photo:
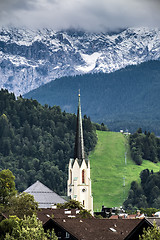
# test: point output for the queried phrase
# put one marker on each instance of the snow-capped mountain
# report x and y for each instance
(30, 58)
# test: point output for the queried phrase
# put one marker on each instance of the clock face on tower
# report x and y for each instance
(84, 189)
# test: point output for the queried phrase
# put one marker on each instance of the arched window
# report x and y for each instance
(70, 176)
(83, 176)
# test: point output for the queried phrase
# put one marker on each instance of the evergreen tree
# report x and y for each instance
(145, 194)
(35, 139)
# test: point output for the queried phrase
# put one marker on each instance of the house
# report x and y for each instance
(68, 224)
(124, 215)
(138, 230)
(157, 214)
(45, 197)
(91, 229)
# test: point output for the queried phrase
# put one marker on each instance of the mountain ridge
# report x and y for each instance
(127, 98)
(31, 58)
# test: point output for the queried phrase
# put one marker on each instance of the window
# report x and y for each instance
(83, 176)
(67, 235)
(83, 203)
(70, 177)
(59, 235)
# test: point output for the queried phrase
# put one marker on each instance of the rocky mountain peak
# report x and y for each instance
(31, 58)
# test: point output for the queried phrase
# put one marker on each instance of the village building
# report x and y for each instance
(79, 181)
(45, 197)
(68, 224)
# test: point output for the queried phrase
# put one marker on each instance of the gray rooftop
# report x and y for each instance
(43, 195)
(154, 219)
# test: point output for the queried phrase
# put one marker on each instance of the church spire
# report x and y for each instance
(79, 181)
(79, 143)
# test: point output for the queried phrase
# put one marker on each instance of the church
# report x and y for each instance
(79, 181)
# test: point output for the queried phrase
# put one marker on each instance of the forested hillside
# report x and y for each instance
(144, 146)
(36, 142)
(146, 193)
(127, 98)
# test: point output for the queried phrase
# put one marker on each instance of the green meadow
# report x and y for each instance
(111, 172)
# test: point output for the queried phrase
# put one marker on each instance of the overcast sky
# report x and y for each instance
(93, 15)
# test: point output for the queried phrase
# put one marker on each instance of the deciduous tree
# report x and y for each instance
(7, 187)
(22, 205)
(28, 228)
(151, 233)
(72, 204)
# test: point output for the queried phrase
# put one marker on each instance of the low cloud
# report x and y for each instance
(90, 15)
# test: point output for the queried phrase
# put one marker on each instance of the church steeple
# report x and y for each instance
(79, 143)
(79, 181)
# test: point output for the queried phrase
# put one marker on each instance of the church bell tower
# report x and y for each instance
(79, 182)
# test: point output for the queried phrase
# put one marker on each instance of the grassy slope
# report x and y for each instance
(108, 169)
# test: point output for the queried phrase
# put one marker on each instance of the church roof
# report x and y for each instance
(79, 141)
(43, 195)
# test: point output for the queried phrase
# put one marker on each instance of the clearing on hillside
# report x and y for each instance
(111, 172)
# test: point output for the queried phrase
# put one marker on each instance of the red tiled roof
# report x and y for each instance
(131, 216)
(114, 217)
